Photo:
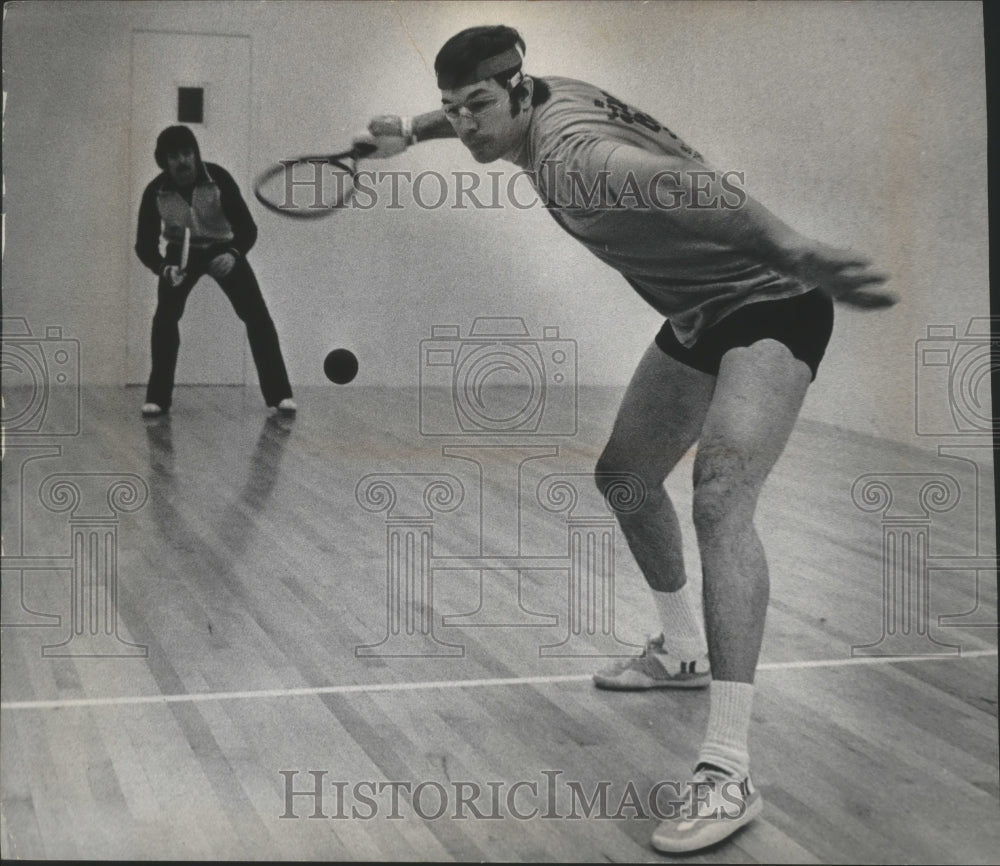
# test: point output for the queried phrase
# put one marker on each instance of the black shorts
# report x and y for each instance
(803, 323)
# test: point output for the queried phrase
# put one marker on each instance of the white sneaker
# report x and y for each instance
(708, 809)
(287, 406)
(655, 669)
(150, 410)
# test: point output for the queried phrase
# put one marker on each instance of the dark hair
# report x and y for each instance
(173, 140)
(459, 57)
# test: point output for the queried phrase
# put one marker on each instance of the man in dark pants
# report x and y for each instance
(204, 219)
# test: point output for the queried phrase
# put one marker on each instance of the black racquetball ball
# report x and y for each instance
(340, 366)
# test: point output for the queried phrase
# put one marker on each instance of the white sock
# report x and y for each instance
(683, 632)
(725, 744)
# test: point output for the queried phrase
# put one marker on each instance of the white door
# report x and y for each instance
(213, 340)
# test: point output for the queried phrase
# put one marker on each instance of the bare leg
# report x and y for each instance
(660, 418)
(757, 398)
(758, 395)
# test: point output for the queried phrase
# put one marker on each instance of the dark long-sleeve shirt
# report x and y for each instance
(216, 214)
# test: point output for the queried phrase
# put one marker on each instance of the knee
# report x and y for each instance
(609, 465)
(622, 484)
(722, 491)
(166, 316)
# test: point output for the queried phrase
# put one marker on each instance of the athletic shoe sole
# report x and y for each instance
(700, 681)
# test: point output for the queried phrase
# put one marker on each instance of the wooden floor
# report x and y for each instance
(206, 615)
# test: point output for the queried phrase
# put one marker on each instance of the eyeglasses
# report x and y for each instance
(475, 110)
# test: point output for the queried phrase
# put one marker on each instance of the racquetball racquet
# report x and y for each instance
(310, 187)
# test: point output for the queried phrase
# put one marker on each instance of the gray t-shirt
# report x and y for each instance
(579, 155)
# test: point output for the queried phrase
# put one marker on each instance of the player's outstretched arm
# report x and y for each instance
(744, 223)
(391, 134)
(433, 124)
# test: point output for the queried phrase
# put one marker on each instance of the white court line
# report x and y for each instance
(440, 684)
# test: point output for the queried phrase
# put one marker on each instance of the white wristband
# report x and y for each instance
(406, 130)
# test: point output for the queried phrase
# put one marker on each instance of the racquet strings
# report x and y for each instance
(308, 187)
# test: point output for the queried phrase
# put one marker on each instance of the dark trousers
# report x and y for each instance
(243, 291)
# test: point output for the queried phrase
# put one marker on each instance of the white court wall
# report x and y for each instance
(861, 124)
